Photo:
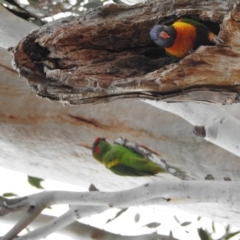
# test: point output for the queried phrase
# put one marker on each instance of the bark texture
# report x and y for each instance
(51, 141)
(108, 54)
(47, 140)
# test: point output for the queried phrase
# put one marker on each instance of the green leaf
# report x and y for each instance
(9, 195)
(203, 234)
(35, 182)
(137, 217)
(184, 224)
(213, 227)
(230, 235)
(227, 229)
(118, 214)
(152, 225)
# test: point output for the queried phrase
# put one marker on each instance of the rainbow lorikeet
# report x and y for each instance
(124, 161)
(183, 37)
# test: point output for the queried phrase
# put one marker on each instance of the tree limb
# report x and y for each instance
(172, 192)
(28, 217)
(82, 231)
(108, 54)
(54, 225)
(217, 125)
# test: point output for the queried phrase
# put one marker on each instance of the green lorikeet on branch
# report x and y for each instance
(124, 161)
(183, 37)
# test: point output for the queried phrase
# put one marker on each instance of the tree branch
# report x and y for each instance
(216, 125)
(74, 213)
(182, 192)
(211, 191)
(108, 54)
(28, 217)
(79, 230)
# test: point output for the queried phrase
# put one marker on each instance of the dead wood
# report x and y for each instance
(108, 54)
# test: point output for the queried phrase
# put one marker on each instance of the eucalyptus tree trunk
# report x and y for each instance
(109, 55)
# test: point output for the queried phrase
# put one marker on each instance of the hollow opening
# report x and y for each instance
(34, 50)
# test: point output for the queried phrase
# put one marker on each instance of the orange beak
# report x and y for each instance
(163, 34)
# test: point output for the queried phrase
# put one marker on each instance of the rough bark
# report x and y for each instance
(108, 54)
(48, 140)
(51, 141)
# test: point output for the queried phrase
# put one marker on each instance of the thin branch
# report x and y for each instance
(196, 191)
(82, 231)
(4, 202)
(28, 217)
(14, 3)
(171, 192)
(69, 217)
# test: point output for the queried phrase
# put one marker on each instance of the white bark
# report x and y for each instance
(69, 217)
(221, 127)
(41, 138)
(132, 2)
(48, 140)
(79, 231)
(12, 28)
(74, 230)
(186, 191)
(170, 193)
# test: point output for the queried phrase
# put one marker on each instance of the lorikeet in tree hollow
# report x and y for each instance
(124, 161)
(183, 37)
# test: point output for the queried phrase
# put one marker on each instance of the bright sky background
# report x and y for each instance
(16, 182)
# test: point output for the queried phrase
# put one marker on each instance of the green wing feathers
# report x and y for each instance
(124, 161)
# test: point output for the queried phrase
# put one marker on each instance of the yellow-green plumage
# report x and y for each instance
(124, 161)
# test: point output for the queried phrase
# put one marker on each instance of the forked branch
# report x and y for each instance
(151, 193)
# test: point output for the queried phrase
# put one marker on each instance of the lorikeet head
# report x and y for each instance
(99, 148)
(163, 36)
